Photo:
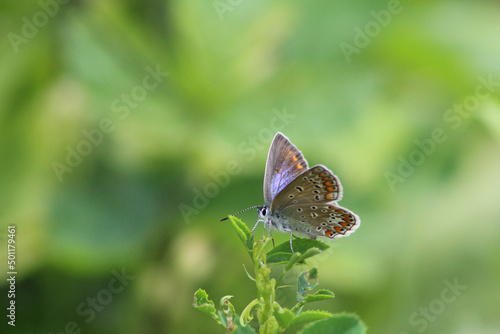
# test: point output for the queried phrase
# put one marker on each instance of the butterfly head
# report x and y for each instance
(262, 211)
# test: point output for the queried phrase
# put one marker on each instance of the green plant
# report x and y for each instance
(272, 317)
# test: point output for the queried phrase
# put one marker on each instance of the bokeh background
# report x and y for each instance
(142, 198)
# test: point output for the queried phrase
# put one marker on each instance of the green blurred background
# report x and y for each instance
(238, 71)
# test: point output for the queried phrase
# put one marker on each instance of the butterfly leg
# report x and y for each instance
(291, 247)
(269, 234)
(254, 228)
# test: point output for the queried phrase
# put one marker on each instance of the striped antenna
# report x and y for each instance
(252, 207)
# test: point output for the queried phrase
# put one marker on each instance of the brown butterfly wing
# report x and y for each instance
(309, 204)
(313, 220)
(316, 185)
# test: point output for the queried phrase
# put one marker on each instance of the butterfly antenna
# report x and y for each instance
(252, 207)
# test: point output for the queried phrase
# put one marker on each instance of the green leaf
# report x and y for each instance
(243, 232)
(248, 274)
(271, 326)
(202, 303)
(337, 324)
(313, 273)
(309, 253)
(319, 295)
(283, 316)
(259, 251)
(246, 317)
(309, 316)
(282, 253)
(293, 260)
(243, 329)
(227, 314)
(304, 283)
(278, 258)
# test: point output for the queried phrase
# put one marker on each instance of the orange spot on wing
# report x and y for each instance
(294, 158)
(329, 196)
(330, 189)
(329, 233)
(299, 166)
(328, 183)
(338, 229)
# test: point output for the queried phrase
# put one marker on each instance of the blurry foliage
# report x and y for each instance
(227, 78)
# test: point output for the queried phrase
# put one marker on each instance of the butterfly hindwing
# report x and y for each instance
(324, 220)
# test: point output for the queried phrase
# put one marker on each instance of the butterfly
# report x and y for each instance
(299, 199)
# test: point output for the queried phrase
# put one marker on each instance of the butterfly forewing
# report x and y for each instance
(316, 185)
(284, 163)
